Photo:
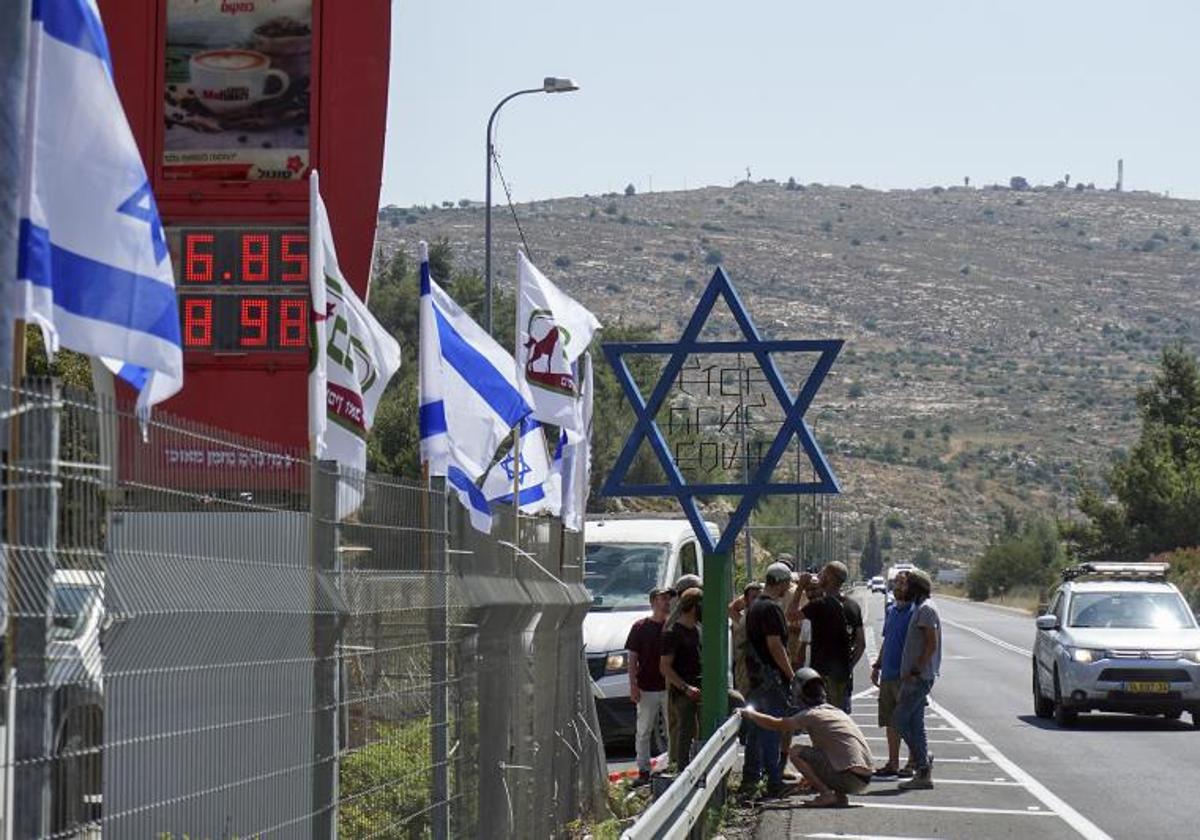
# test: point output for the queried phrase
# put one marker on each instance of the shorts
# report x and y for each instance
(889, 695)
(841, 781)
(836, 691)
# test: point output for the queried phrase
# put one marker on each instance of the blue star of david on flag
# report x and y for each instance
(793, 426)
(506, 463)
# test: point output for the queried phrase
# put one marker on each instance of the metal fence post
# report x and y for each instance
(325, 632)
(31, 542)
(14, 50)
(439, 689)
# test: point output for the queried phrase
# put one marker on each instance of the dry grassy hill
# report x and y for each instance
(995, 339)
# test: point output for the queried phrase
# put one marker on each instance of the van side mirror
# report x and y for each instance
(1047, 622)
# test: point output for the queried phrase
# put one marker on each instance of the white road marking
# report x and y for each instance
(973, 759)
(984, 782)
(958, 742)
(825, 836)
(1085, 827)
(988, 637)
(951, 809)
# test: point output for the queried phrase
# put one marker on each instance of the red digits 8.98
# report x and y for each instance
(255, 257)
(197, 265)
(293, 322)
(253, 321)
(197, 322)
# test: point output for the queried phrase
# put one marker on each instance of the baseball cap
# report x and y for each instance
(685, 583)
(778, 573)
(752, 585)
(661, 590)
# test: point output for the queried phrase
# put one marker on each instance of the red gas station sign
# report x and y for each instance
(233, 103)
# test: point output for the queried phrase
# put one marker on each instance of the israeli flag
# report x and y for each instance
(472, 498)
(529, 468)
(571, 466)
(470, 396)
(93, 270)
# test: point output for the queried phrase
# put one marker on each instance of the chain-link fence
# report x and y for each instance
(211, 638)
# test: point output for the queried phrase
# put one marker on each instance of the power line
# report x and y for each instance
(512, 208)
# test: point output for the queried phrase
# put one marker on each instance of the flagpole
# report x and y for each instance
(517, 488)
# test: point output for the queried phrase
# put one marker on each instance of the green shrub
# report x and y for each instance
(385, 782)
(1185, 572)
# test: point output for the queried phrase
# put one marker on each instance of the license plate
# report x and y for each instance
(1148, 687)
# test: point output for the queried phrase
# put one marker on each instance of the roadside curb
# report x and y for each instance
(1017, 610)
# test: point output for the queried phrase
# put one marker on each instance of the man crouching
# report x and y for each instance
(839, 762)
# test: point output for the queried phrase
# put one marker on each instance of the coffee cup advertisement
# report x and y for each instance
(236, 103)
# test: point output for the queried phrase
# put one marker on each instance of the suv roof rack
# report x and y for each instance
(1117, 571)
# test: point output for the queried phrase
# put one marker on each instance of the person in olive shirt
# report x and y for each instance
(680, 666)
(837, 634)
(647, 688)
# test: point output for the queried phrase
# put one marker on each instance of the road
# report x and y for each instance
(1000, 771)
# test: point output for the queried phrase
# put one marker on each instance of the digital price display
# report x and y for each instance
(242, 289)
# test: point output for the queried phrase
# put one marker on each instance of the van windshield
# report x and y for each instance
(621, 575)
(71, 602)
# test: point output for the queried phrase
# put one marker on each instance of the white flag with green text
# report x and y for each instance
(354, 359)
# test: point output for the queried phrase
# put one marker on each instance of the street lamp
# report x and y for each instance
(550, 84)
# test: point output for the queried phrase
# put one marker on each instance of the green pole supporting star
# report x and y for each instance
(714, 685)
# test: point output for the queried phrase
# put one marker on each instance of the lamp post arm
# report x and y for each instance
(487, 223)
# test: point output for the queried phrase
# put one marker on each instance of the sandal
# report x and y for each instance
(821, 802)
(886, 772)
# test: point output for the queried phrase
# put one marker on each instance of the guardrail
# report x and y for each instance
(681, 805)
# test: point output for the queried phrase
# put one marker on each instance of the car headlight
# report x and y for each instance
(1192, 655)
(616, 662)
(1086, 655)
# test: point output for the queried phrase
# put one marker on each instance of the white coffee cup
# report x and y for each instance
(231, 80)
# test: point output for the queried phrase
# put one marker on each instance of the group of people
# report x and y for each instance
(796, 641)
(787, 695)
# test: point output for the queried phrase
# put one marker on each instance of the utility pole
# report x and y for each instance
(1120, 173)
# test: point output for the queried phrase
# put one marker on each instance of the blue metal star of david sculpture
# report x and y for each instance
(646, 428)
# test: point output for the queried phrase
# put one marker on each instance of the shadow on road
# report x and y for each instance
(1113, 723)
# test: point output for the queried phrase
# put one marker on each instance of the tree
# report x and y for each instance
(871, 559)
(923, 559)
(1157, 488)
(1032, 557)
(630, 189)
(1018, 183)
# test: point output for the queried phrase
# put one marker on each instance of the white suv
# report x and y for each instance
(1117, 637)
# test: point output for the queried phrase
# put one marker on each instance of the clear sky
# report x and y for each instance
(903, 93)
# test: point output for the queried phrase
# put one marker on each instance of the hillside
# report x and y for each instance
(995, 338)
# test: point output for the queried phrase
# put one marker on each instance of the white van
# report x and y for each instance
(626, 558)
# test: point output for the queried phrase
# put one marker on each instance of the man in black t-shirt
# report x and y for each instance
(680, 665)
(837, 635)
(647, 688)
(770, 672)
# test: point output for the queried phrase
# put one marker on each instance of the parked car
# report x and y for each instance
(877, 584)
(1116, 637)
(625, 559)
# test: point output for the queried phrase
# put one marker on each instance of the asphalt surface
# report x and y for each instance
(1001, 772)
